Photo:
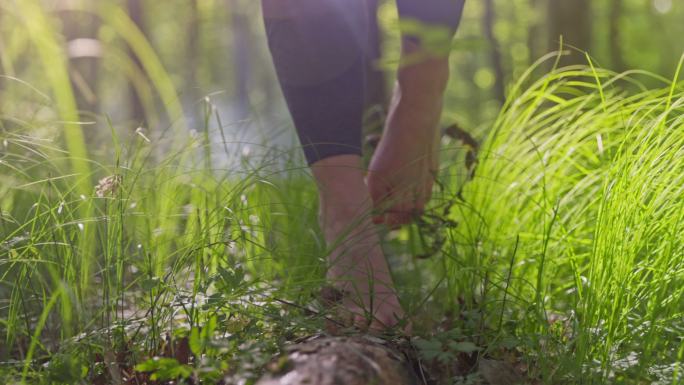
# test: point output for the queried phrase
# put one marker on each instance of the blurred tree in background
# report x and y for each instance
(570, 19)
(216, 49)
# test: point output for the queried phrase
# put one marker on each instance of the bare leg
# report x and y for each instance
(357, 265)
(403, 168)
(318, 49)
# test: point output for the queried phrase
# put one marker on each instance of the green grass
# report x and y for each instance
(575, 217)
(174, 246)
(563, 252)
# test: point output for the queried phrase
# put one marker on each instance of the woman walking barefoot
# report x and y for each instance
(320, 49)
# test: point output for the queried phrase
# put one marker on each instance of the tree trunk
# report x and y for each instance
(84, 51)
(242, 57)
(615, 35)
(533, 34)
(192, 55)
(136, 13)
(7, 72)
(495, 54)
(571, 20)
(360, 360)
(364, 360)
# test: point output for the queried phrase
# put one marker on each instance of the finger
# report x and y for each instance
(398, 208)
(396, 220)
(382, 204)
(404, 212)
(397, 217)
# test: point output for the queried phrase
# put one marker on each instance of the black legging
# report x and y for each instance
(322, 50)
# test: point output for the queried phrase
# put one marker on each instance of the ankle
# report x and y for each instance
(344, 212)
(343, 194)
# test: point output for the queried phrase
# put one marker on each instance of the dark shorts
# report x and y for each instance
(321, 50)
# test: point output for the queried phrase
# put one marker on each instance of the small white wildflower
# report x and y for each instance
(141, 131)
(253, 219)
(133, 205)
(243, 199)
(60, 208)
(80, 226)
(83, 197)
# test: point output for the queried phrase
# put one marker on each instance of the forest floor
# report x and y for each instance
(553, 256)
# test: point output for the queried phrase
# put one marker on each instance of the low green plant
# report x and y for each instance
(560, 249)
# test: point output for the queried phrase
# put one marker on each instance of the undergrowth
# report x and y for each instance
(559, 252)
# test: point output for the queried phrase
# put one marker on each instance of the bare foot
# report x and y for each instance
(406, 161)
(357, 265)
